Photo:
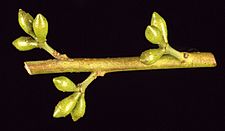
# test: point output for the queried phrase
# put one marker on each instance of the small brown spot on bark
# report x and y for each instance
(186, 55)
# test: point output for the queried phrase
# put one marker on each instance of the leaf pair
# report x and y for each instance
(156, 33)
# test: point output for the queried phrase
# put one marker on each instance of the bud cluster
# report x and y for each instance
(156, 33)
(36, 27)
(74, 104)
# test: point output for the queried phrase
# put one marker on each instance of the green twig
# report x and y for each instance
(165, 57)
(88, 81)
(179, 55)
(52, 52)
(106, 65)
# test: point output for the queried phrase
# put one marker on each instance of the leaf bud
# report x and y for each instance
(65, 106)
(160, 23)
(79, 110)
(40, 26)
(64, 84)
(151, 56)
(26, 22)
(153, 34)
(25, 43)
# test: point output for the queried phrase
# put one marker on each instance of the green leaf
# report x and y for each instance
(25, 43)
(40, 26)
(64, 84)
(65, 106)
(151, 56)
(26, 22)
(160, 23)
(79, 110)
(153, 34)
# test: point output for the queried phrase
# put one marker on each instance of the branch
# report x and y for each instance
(163, 57)
(107, 65)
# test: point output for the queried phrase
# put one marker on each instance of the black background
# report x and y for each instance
(160, 100)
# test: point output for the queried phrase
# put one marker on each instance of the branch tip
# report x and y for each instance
(27, 68)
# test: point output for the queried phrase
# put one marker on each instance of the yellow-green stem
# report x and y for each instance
(88, 80)
(179, 55)
(52, 52)
(106, 65)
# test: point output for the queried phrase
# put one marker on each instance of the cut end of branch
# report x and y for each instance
(27, 68)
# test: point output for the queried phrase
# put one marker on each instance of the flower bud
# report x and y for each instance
(64, 84)
(26, 22)
(151, 56)
(160, 23)
(79, 110)
(153, 34)
(65, 106)
(25, 43)
(40, 26)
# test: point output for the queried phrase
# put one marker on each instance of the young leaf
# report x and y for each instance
(160, 23)
(40, 26)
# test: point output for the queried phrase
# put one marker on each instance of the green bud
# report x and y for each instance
(26, 22)
(65, 106)
(64, 84)
(40, 26)
(79, 110)
(25, 43)
(160, 23)
(151, 56)
(153, 34)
